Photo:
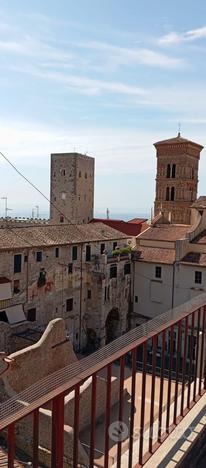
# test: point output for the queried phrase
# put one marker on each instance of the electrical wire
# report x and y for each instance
(33, 185)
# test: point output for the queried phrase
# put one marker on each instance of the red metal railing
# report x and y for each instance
(160, 371)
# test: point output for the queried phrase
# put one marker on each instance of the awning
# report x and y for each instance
(15, 314)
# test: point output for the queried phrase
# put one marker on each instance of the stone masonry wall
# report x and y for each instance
(72, 188)
(51, 299)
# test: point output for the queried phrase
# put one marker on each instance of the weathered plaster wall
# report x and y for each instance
(50, 299)
(50, 353)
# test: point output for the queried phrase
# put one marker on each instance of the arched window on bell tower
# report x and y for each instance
(173, 171)
(167, 194)
(168, 171)
(172, 194)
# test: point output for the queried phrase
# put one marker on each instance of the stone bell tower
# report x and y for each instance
(177, 178)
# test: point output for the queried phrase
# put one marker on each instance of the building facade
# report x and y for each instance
(66, 271)
(177, 178)
(71, 188)
(169, 265)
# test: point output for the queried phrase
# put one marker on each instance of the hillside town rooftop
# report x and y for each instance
(154, 255)
(51, 235)
(165, 232)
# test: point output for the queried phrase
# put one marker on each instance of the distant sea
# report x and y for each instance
(98, 214)
(123, 216)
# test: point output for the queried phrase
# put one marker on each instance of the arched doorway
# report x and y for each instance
(112, 325)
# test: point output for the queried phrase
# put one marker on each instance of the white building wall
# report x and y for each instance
(176, 286)
(185, 286)
(154, 295)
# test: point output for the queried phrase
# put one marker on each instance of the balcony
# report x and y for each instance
(118, 258)
(119, 424)
(100, 261)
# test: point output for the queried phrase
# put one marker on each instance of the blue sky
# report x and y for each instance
(108, 78)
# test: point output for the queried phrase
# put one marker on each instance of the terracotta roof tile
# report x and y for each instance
(49, 235)
(129, 228)
(177, 140)
(195, 257)
(199, 203)
(153, 255)
(137, 220)
(165, 232)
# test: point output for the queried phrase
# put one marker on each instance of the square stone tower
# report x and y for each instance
(72, 188)
(177, 178)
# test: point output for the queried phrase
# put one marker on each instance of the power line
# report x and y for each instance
(32, 185)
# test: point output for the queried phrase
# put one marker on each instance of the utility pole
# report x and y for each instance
(107, 213)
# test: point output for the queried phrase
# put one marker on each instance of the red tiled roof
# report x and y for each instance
(177, 140)
(137, 220)
(165, 232)
(128, 228)
(199, 203)
(195, 257)
(153, 255)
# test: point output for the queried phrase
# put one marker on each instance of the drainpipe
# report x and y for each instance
(131, 301)
(173, 283)
(27, 277)
(62, 299)
(80, 297)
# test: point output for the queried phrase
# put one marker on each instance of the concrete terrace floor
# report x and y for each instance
(100, 426)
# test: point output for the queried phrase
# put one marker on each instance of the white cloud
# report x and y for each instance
(13, 46)
(186, 100)
(188, 36)
(31, 47)
(128, 56)
(22, 142)
(82, 84)
(119, 152)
